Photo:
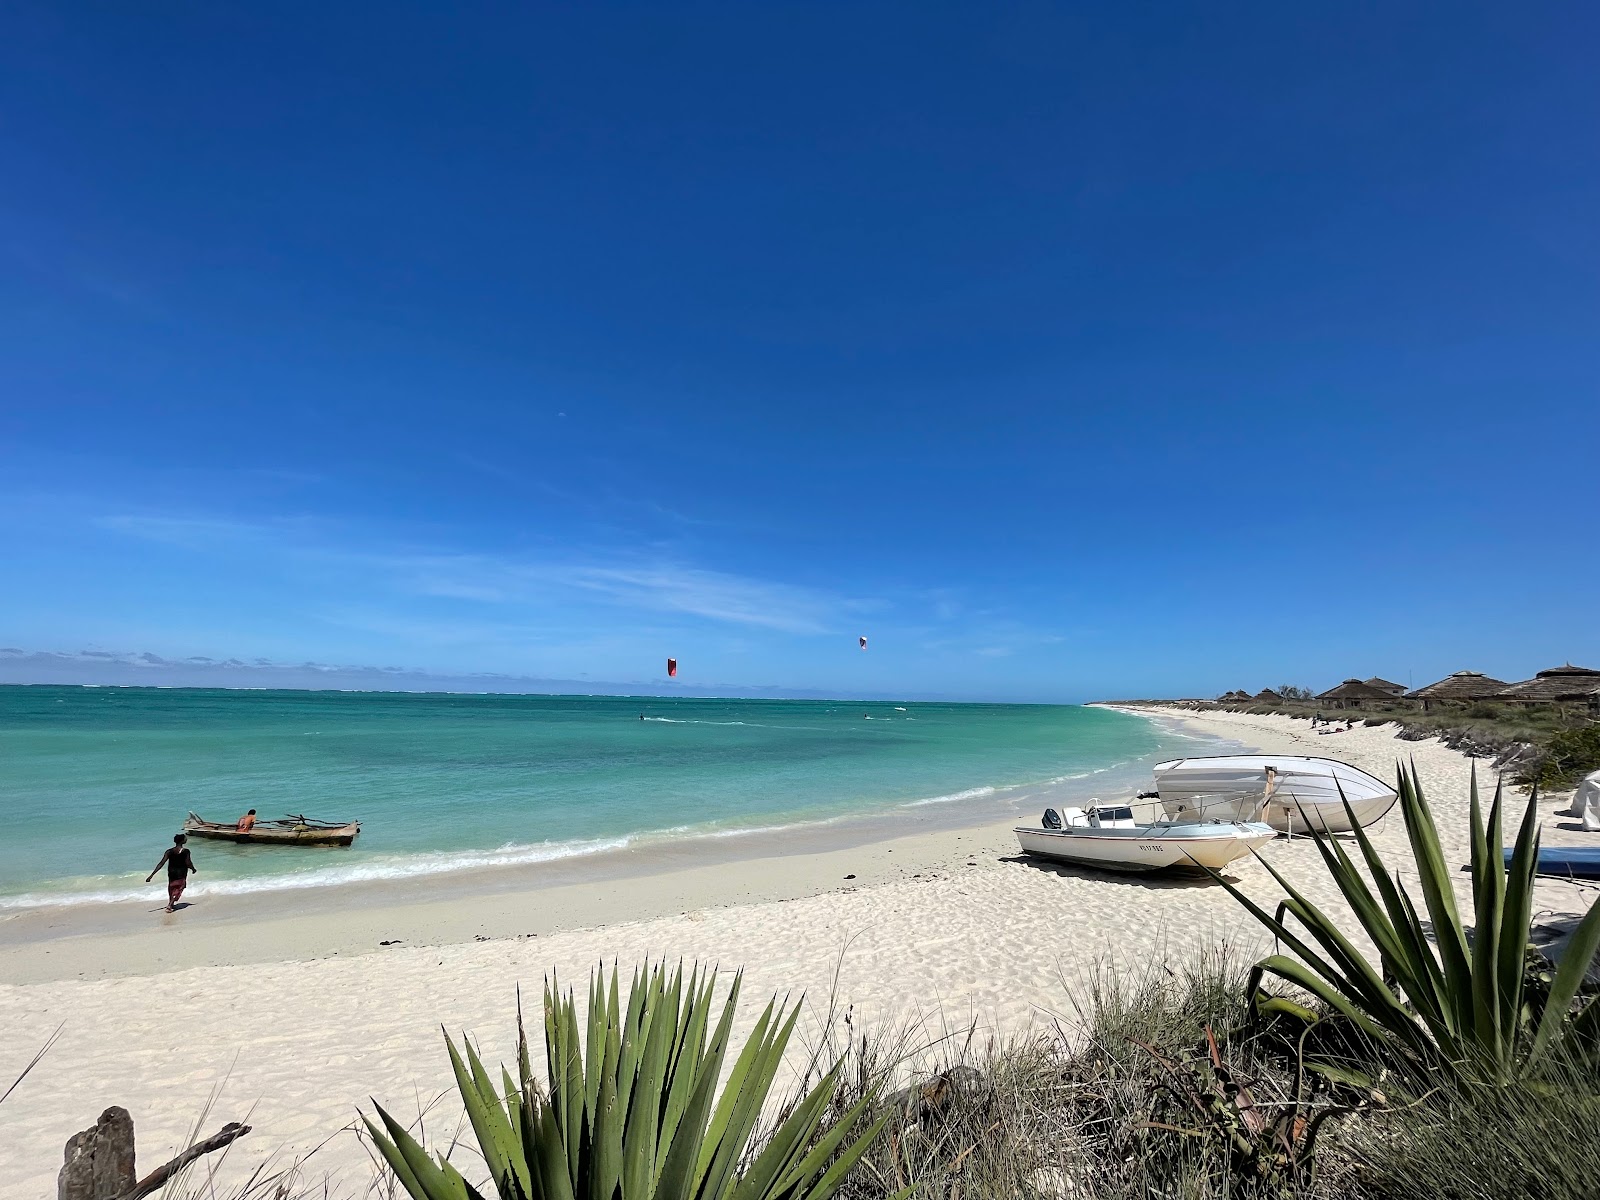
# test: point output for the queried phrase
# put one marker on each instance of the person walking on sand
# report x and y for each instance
(179, 862)
(247, 822)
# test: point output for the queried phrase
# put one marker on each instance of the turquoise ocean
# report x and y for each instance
(94, 781)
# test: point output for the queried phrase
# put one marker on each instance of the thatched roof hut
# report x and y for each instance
(1385, 685)
(1237, 696)
(1463, 686)
(1353, 693)
(1268, 696)
(1555, 686)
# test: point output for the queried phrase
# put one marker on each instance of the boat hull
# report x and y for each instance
(1308, 795)
(1565, 862)
(1146, 849)
(340, 835)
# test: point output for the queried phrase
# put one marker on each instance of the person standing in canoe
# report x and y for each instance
(179, 862)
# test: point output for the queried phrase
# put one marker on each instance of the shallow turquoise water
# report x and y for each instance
(94, 781)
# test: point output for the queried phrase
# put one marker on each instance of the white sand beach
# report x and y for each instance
(297, 1014)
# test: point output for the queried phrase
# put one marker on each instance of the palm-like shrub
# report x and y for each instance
(1466, 1007)
(631, 1111)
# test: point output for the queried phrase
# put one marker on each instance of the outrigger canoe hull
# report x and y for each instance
(336, 835)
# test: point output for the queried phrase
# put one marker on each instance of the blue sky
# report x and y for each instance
(1064, 351)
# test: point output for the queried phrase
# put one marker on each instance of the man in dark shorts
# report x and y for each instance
(179, 863)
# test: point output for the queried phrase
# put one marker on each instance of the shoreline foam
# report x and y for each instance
(866, 825)
(443, 786)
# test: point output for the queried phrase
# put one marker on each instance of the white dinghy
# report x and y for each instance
(1292, 793)
(1111, 838)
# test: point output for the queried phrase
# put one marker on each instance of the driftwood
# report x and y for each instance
(100, 1160)
(158, 1178)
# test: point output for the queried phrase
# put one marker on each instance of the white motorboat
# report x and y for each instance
(1111, 838)
(1290, 792)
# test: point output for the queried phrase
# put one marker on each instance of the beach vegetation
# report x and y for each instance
(1550, 746)
(1158, 1084)
(1568, 756)
(1476, 1003)
(1169, 1081)
(1521, 1139)
(633, 1109)
(1176, 1089)
(33, 1062)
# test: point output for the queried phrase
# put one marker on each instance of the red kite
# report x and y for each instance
(672, 668)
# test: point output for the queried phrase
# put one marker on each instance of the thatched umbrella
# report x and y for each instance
(1555, 686)
(1463, 686)
(1353, 693)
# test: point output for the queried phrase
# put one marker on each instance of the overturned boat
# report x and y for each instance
(1111, 838)
(1292, 793)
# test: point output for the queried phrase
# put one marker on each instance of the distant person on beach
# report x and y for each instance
(247, 822)
(179, 862)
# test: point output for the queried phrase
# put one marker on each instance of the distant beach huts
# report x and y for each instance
(1566, 684)
(1559, 685)
(1354, 693)
(1463, 686)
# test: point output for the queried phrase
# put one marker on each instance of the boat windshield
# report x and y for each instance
(1222, 806)
(1190, 810)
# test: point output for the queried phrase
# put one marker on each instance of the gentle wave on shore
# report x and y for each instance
(448, 783)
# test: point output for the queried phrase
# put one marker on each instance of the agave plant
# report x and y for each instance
(631, 1111)
(1466, 1006)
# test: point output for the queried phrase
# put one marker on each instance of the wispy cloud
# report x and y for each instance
(712, 594)
(636, 581)
(646, 585)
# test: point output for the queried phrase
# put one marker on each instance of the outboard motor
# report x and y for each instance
(1051, 819)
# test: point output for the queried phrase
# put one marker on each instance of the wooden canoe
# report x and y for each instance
(292, 831)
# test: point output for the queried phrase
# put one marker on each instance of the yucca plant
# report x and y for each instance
(631, 1111)
(1466, 1006)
